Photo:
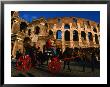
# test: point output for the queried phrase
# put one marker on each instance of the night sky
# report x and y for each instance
(30, 15)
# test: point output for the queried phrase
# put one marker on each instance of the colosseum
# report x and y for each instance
(63, 32)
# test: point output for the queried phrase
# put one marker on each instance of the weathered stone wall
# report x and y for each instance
(54, 24)
(81, 25)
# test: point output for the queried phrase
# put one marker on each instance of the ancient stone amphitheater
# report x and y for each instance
(63, 32)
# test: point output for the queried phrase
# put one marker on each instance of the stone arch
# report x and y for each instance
(46, 25)
(67, 35)
(29, 32)
(67, 26)
(75, 35)
(59, 34)
(37, 30)
(90, 36)
(23, 26)
(50, 32)
(96, 39)
(94, 29)
(26, 39)
(83, 35)
(26, 43)
(59, 20)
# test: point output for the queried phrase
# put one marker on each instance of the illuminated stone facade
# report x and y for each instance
(63, 32)
(75, 32)
(17, 35)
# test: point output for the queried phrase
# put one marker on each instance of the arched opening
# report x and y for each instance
(94, 29)
(46, 25)
(75, 35)
(67, 26)
(27, 42)
(58, 34)
(74, 20)
(90, 36)
(59, 20)
(23, 26)
(27, 39)
(96, 39)
(29, 32)
(50, 32)
(37, 30)
(67, 35)
(83, 35)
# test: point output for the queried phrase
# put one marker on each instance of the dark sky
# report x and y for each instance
(30, 15)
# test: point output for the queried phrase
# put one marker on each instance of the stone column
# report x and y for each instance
(94, 39)
(32, 28)
(55, 32)
(80, 40)
(54, 27)
(85, 26)
(97, 29)
(14, 49)
(87, 40)
(71, 36)
(63, 41)
(78, 24)
(26, 32)
(99, 38)
(15, 27)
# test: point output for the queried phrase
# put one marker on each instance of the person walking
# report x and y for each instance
(93, 58)
(84, 61)
(67, 58)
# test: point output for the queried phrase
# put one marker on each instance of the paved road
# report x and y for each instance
(76, 71)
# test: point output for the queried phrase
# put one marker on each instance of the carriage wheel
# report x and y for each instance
(28, 65)
(54, 67)
(23, 65)
(19, 65)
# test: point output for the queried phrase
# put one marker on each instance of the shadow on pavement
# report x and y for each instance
(20, 75)
(60, 74)
(30, 75)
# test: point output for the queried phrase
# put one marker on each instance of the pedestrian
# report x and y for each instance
(67, 58)
(84, 61)
(93, 58)
(39, 56)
